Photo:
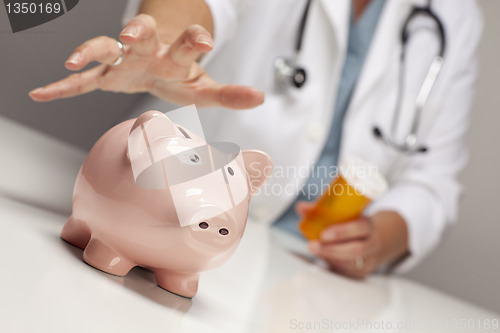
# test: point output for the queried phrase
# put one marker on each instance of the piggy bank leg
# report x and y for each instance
(183, 284)
(76, 232)
(102, 257)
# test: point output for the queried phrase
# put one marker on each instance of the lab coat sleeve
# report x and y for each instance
(225, 18)
(225, 15)
(131, 10)
(427, 192)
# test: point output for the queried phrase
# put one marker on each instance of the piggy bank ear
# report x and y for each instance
(158, 124)
(149, 128)
(259, 167)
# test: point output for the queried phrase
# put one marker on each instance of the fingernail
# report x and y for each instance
(204, 39)
(36, 91)
(314, 247)
(328, 235)
(75, 58)
(130, 31)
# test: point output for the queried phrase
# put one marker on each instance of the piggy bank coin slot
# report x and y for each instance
(183, 132)
(198, 162)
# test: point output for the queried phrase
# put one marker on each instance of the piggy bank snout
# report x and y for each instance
(222, 230)
(218, 232)
(219, 228)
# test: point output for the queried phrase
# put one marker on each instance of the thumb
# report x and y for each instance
(303, 207)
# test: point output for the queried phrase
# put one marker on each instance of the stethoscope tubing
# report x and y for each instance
(288, 73)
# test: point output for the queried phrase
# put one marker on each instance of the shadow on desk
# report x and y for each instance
(141, 281)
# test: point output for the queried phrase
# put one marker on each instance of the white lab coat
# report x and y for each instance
(292, 128)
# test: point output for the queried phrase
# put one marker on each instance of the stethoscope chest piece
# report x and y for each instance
(287, 74)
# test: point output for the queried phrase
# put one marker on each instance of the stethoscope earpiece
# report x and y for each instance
(377, 132)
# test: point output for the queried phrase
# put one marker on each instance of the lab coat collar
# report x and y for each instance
(382, 46)
(337, 12)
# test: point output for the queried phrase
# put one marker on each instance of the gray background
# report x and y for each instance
(467, 264)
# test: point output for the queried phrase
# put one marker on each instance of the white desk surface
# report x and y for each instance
(46, 287)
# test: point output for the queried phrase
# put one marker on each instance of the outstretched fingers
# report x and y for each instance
(101, 49)
(141, 33)
(73, 85)
(168, 71)
(230, 96)
(190, 45)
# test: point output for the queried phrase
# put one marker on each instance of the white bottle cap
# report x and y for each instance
(364, 177)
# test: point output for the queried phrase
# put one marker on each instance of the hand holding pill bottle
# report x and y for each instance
(357, 184)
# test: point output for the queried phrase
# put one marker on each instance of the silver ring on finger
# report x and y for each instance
(120, 57)
(360, 262)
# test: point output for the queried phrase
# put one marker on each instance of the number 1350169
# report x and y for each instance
(33, 8)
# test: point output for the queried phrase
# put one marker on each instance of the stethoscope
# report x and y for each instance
(288, 73)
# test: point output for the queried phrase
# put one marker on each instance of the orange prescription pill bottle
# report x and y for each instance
(356, 185)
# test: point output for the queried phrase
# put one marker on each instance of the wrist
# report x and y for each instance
(392, 236)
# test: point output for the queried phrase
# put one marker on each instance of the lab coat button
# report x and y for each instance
(315, 132)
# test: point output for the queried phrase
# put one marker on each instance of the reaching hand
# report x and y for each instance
(170, 72)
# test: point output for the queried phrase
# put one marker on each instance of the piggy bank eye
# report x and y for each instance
(203, 225)
(230, 170)
(223, 231)
(194, 158)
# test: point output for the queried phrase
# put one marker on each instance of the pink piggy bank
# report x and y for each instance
(153, 194)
